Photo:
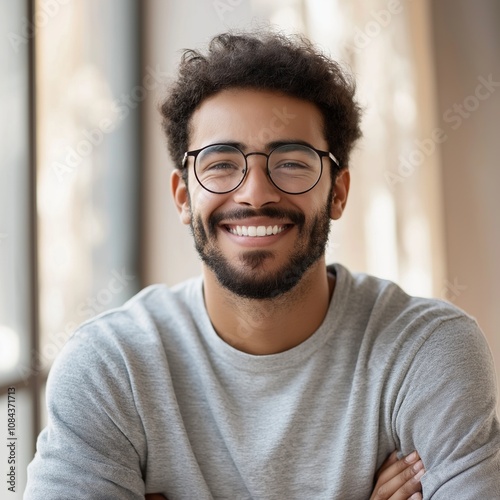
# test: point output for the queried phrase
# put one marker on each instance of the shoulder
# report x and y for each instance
(376, 292)
(416, 345)
(387, 306)
(394, 327)
(125, 338)
(154, 307)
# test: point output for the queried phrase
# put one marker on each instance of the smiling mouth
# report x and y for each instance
(256, 231)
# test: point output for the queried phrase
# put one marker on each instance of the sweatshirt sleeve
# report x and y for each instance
(446, 410)
(93, 444)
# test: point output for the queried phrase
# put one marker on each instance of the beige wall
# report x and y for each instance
(467, 49)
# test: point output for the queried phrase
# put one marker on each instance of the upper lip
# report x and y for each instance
(256, 221)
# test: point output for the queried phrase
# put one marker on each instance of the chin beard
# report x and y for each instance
(252, 280)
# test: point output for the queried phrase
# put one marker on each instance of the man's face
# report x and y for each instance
(251, 265)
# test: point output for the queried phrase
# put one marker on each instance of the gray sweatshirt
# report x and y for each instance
(147, 398)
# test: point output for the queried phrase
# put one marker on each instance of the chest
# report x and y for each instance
(289, 434)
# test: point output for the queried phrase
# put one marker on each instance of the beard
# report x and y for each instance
(248, 283)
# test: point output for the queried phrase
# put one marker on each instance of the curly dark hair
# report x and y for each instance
(267, 61)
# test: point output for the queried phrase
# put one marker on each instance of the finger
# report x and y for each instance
(391, 459)
(412, 486)
(396, 467)
(403, 485)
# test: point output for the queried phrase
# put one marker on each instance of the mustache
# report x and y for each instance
(297, 218)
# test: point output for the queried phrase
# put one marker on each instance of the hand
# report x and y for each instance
(155, 496)
(399, 479)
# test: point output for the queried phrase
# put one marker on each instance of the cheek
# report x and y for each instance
(315, 205)
(204, 203)
(324, 198)
(196, 194)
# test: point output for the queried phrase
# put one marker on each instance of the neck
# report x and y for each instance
(269, 326)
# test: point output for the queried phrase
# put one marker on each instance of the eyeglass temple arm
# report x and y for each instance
(330, 155)
(184, 158)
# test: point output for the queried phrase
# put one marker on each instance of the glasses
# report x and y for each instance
(292, 168)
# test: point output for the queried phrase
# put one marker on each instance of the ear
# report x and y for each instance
(340, 192)
(180, 195)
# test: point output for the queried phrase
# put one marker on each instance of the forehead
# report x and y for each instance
(255, 118)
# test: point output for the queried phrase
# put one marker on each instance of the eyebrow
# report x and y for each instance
(275, 144)
(269, 145)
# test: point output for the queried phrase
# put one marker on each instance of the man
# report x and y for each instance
(273, 375)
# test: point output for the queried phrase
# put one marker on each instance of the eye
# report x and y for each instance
(221, 168)
(222, 165)
(292, 165)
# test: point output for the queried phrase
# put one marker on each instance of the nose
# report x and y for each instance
(257, 189)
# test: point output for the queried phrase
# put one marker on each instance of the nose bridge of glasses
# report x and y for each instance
(256, 178)
(256, 153)
(262, 163)
(256, 188)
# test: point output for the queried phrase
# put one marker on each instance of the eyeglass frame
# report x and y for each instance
(322, 154)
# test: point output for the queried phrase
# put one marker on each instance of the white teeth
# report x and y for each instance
(256, 231)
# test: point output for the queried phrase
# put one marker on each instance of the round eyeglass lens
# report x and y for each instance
(294, 168)
(220, 168)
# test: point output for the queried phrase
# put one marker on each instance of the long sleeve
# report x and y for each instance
(92, 444)
(446, 410)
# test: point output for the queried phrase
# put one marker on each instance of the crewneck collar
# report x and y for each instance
(285, 359)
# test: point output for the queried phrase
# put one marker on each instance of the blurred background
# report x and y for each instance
(86, 218)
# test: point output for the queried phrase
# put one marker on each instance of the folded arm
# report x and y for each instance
(446, 409)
